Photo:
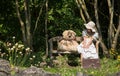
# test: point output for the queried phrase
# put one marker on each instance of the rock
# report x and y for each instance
(34, 71)
(5, 69)
(79, 74)
(117, 74)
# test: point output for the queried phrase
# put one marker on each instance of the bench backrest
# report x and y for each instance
(57, 39)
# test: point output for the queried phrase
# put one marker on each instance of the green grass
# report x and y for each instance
(108, 66)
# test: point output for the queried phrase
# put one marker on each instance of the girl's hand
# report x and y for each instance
(87, 41)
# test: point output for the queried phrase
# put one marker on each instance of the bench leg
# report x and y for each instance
(51, 59)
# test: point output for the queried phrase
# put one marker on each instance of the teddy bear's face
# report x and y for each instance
(68, 43)
(69, 34)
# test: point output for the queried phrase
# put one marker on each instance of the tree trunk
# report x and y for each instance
(21, 22)
(113, 34)
(110, 30)
(28, 23)
(104, 48)
(83, 6)
(46, 34)
(85, 9)
(25, 27)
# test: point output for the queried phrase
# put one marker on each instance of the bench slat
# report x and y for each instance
(62, 52)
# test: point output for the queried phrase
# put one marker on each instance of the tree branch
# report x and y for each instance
(83, 6)
(36, 23)
(81, 11)
(116, 35)
(21, 22)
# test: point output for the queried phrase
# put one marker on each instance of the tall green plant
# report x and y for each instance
(15, 52)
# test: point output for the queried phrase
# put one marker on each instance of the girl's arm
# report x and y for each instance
(95, 36)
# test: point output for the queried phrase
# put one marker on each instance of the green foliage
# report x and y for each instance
(9, 25)
(63, 17)
(113, 53)
(3, 32)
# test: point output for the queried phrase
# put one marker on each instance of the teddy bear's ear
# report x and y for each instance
(64, 33)
(72, 32)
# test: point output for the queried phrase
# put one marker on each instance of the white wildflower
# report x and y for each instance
(21, 46)
(16, 44)
(33, 56)
(27, 49)
(30, 50)
(20, 52)
(9, 44)
(13, 37)
(11, 49)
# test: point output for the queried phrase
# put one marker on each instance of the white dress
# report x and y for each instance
(90, 52)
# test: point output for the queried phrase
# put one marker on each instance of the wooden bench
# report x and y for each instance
(53, 48)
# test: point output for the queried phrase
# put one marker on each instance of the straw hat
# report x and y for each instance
(91, 25)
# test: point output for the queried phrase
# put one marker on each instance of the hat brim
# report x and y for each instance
(88, 27)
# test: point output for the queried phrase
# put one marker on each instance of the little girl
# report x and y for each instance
(87, 48)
